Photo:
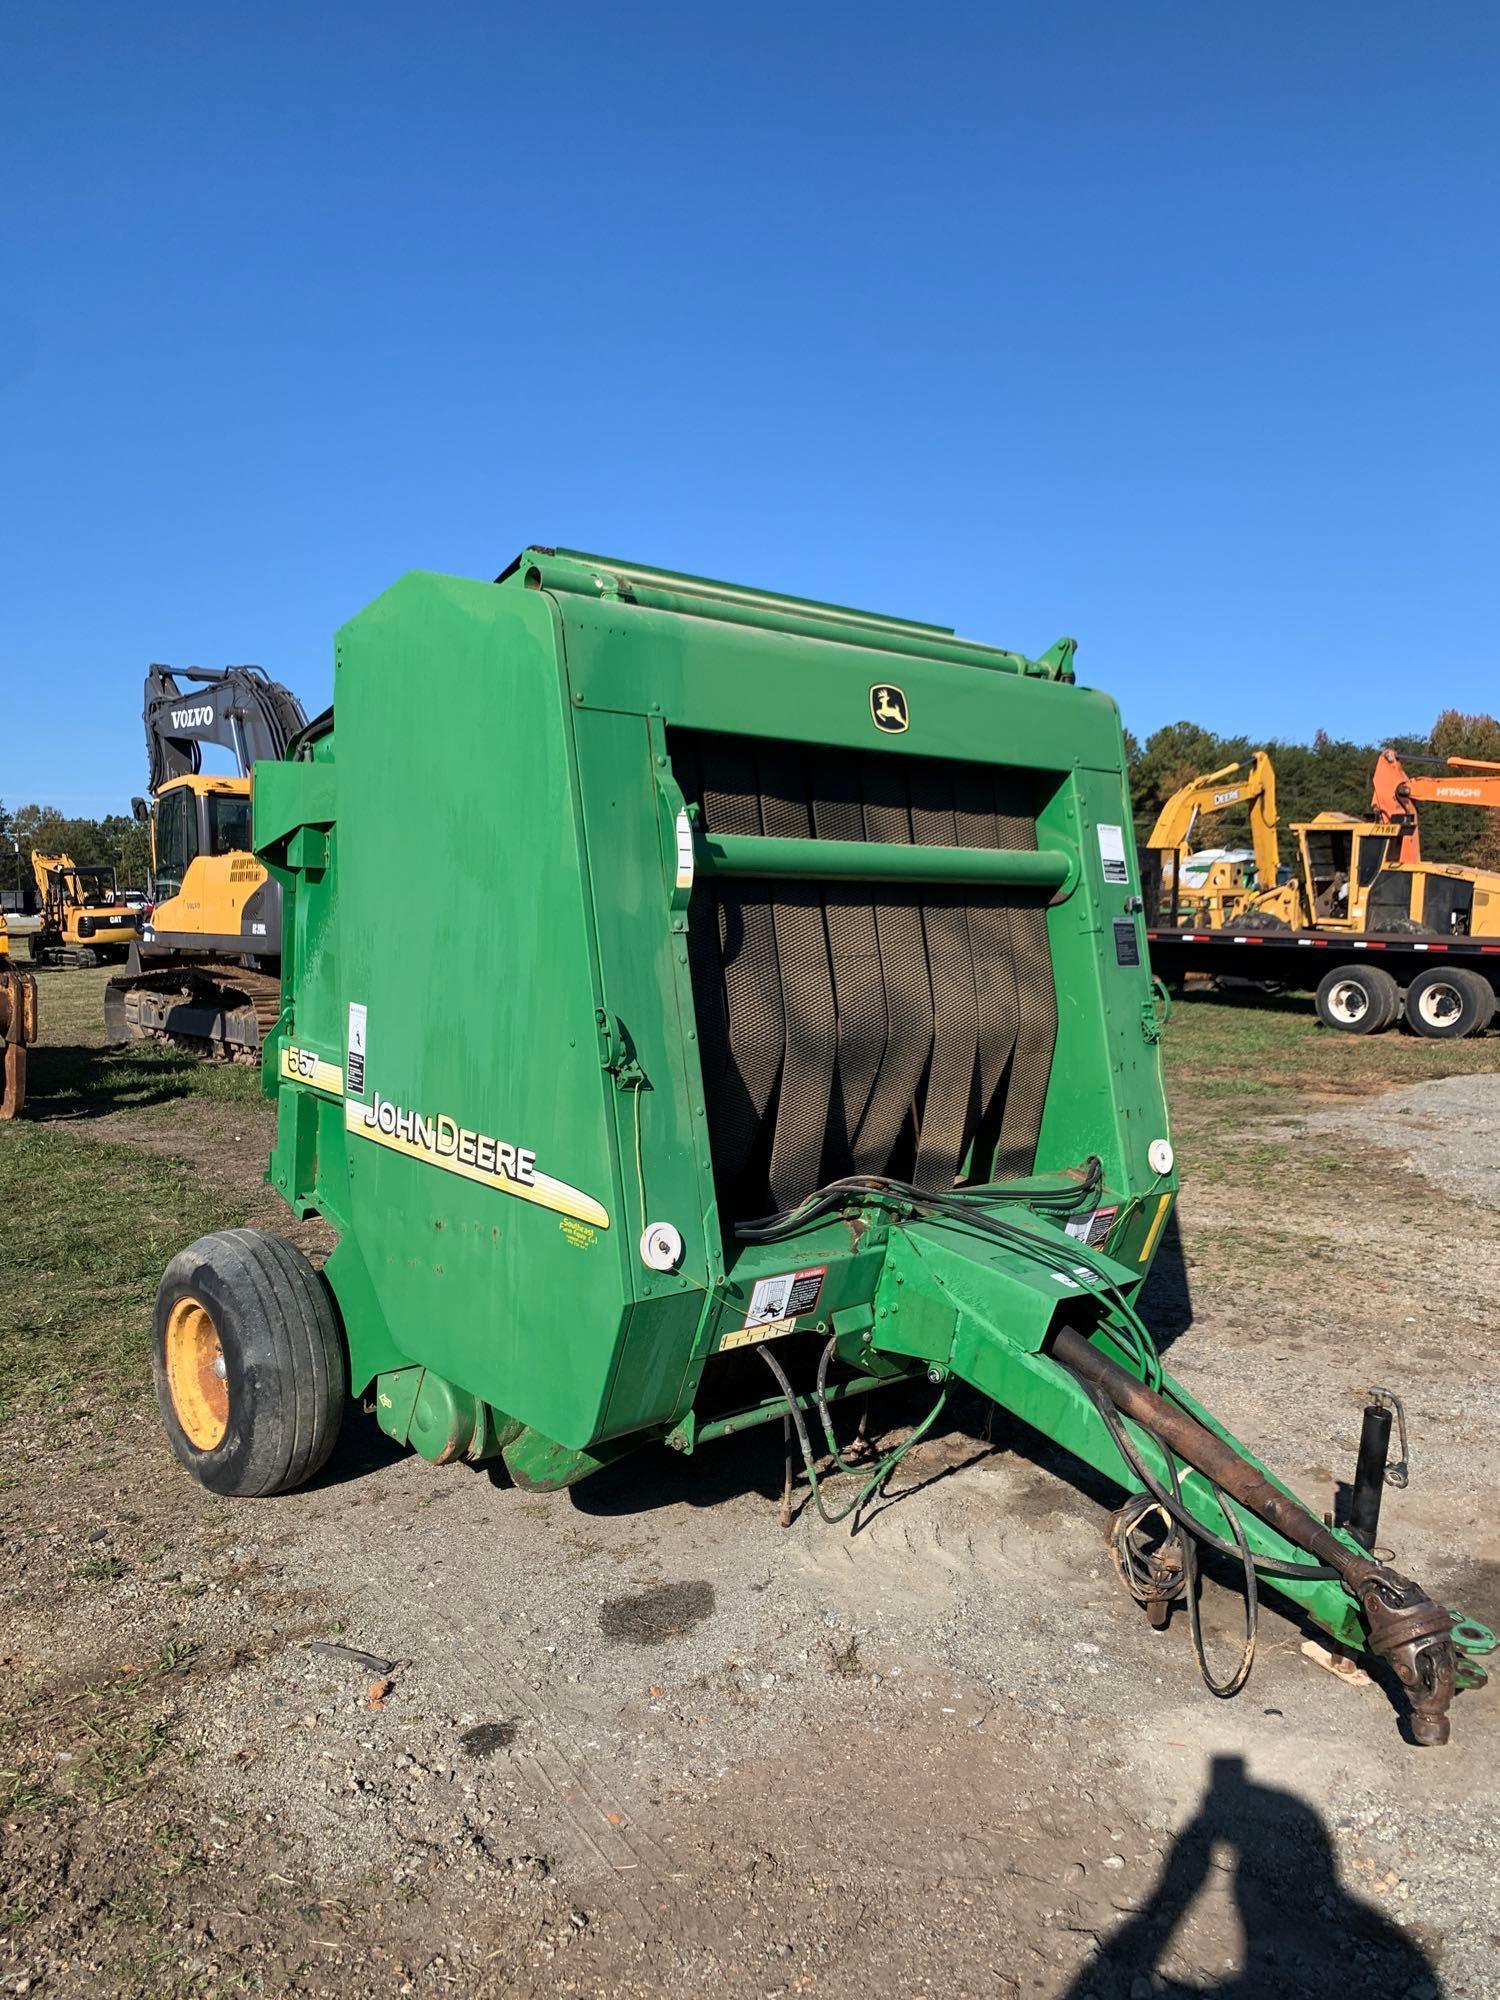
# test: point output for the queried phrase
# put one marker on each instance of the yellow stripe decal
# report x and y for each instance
(541, 1189)
(1163, 1210)
(302, 1066)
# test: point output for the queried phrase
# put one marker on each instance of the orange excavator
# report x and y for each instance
(1466, 781)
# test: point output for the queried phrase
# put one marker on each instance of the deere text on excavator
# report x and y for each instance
(205, 974)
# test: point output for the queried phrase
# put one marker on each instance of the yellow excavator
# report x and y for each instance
(85, 918)
(206, 974)
(1217, 890)
(17, 1027)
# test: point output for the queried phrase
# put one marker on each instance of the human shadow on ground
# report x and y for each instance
(1303, 1931)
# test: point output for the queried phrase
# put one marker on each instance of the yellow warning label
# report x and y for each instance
(751, 1336)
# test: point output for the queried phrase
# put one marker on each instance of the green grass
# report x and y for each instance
(89, 1223)
(89, 1229)
(1275, 1043)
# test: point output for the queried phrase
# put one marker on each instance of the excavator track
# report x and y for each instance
(221, 1012)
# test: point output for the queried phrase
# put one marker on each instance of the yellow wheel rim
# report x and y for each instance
(195, 1374)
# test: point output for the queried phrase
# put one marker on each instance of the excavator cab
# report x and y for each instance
(199, 820)
(1342, 858)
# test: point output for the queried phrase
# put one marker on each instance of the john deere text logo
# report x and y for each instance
(888, 707)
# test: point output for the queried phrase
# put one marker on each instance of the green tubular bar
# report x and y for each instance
(879, 861)
(773, 1407)
(701, 598)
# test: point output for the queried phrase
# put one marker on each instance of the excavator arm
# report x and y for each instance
(1251, 784)
(1467, 781)
(240, 708)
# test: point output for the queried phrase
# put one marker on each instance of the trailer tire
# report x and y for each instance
(1358, 999)
(1445, 1003)
(249, 1361)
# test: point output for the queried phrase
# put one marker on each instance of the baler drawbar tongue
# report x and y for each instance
(1179, 1460)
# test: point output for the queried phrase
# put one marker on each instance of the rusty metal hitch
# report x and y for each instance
(1406, 1627)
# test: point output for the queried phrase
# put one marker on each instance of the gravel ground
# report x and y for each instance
(639, 1739)
(1447, 1131)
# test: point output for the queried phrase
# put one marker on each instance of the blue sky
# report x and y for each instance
(1170, 326)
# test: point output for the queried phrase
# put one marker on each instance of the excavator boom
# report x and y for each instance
(1252, 784)
(1467, 781)
(240, 708)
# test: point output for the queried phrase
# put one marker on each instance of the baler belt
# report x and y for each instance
(908, 985)
(754, 1029)
(955, 1003)
(860, 1019)
(872, 1030)
(975, 825)
(1036, 995)
(801, 1126)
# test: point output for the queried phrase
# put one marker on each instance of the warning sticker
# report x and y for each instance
(786, 1295)
(1093, 1229)
(1112, 854)
(684, 850)
(356, 1069)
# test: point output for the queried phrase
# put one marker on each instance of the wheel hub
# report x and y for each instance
(196, 1374)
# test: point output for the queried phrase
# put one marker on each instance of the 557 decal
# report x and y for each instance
(303, 1066)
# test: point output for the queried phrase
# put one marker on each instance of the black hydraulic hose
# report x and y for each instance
(1269, 1565)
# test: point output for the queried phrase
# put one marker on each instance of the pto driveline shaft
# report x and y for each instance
(1406, 1627)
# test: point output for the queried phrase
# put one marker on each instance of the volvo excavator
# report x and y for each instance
(1215, 893)
(206, 974)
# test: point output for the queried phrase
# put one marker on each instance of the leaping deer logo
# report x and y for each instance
(888, 707)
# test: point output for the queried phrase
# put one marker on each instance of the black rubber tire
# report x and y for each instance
(1358, 999)
(1445, 1003)
(1486, 998)
(285, 1366)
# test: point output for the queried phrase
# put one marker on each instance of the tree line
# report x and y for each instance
(1330, 774)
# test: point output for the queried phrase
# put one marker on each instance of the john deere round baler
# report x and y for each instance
(768, 1023)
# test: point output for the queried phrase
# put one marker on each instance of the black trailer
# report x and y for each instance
(1443, 987)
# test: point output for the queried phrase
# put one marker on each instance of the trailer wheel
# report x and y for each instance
(1358, 999)
(251, 1372)
(1445, 1003)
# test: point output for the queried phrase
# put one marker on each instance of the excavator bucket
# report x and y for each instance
(17, 1029)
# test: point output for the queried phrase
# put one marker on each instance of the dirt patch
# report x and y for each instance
(651, 1617)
